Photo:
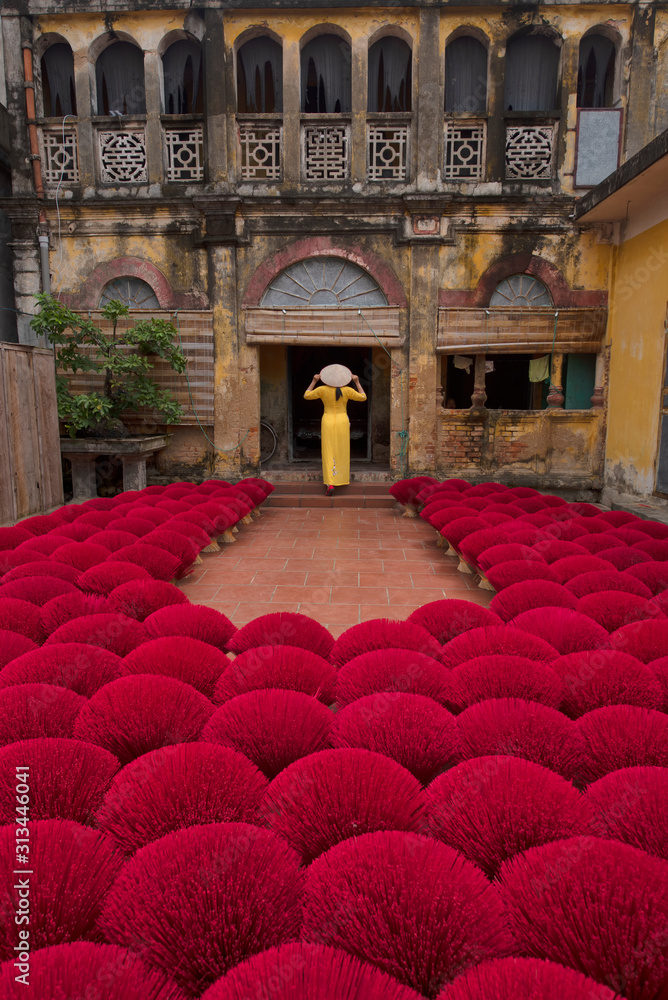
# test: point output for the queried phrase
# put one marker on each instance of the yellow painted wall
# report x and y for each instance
(636, 331)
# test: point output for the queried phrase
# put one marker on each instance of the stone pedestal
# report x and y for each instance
(132, 452)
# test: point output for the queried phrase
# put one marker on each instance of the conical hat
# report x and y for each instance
(336, 375)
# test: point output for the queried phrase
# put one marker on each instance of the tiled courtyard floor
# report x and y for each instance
(337, 566)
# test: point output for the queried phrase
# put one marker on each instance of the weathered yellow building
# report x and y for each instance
(392, 187)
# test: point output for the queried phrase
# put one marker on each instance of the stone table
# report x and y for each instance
(133, 452)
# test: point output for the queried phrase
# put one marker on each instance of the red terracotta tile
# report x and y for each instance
(370, 611)
(337, 614)
(275, 577)
(336, 578)
(415, 596)
(359, 565)
(366, 595)
(312, 595)
(317, 563)
(250, 611)
(200, 592)
(249, 595)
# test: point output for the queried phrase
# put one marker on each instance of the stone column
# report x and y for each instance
(429, 119)
(479, 395)
(27, 284)
(424, 368)
(154, 154)
(84, 484)
(22, 181)
(85, 132)
(598, 395)
(134, 472)
(291, 114)
(227, 430)
(496, 126)
(215, 88)
(642, 85)
(359, 109)
(555, 397)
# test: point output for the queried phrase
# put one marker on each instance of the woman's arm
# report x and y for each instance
(358, 387)
(310, 393)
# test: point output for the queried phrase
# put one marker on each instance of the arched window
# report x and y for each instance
(58, 81)
(532, 70)
(182, 71)
(134, 292)
(390, 62)
(596, 72)
(323, 281)
(260, 77)
(325, 66)
(520, 290)
(119, 75)
(466, 75)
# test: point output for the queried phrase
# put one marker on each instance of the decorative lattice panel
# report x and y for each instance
(326, 152)
(60, 164)
(465, 144)
(387, 152)
(185, 153)
(123, 156)
(529, 151)
(260, 152)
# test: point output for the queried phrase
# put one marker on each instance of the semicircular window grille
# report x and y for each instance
(323, 282)
(520, 290)
(134, 292)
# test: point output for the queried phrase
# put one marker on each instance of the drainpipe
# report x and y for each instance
(29, 86)
(43, 238)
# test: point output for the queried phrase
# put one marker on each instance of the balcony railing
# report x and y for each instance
(465, 145)
(260, 145)
(530, 150)
(325, 149)
(184, 151)
(122, 154)
(60, 160)
(388, 149)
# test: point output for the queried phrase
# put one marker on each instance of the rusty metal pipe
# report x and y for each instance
(29, 86)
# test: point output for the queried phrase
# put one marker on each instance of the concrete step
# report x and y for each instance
(308, 494)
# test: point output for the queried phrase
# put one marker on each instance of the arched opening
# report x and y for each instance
(532, 73)
(390, 75)
(466, 75)
(58, 91)
(325, 76)
(183, 84)
(596, 72)
(133, 292)
(119, 77)
(336, 284)
(260, 77)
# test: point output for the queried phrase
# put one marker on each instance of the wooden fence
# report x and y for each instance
(30, 470)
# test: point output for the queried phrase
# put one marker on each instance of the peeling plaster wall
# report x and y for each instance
(639, 298)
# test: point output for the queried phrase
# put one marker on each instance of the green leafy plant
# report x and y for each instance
(123, 358)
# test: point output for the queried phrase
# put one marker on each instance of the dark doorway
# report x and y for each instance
(304, 415)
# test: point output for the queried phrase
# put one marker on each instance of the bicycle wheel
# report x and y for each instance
(268, 441)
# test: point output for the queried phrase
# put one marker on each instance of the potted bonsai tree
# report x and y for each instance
(121, 362)
(123, 359)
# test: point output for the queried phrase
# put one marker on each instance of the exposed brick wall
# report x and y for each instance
(461, 442)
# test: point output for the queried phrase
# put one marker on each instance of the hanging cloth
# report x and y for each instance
(459, 361)
(182, 64)
(119, 74)
(539, 369)
(466, 76)
(389, 69)
(532, 65)
(58, 71)
(254, 57)
(331, 58)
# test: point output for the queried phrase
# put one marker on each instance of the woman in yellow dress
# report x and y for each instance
(335, 426)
